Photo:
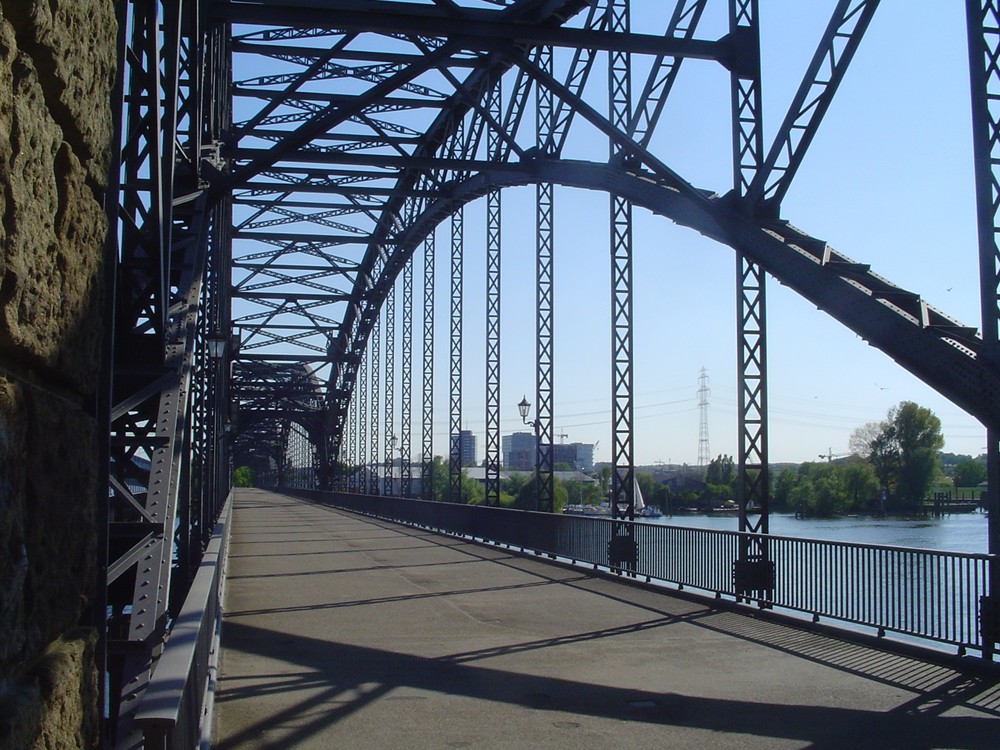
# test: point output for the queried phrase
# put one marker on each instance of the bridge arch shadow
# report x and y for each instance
(742, 686)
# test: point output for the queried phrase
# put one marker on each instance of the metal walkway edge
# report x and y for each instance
(345, 632)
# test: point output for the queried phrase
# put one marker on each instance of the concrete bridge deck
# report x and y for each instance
(344, 632)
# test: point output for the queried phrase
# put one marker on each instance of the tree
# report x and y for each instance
(243, 477)
(582, 493)
(720, 478)
(860, 484)
(876, 441)
(969, 473)
(829, 496)
(918, 436)
(439, 480)
(661, 498)
(512, 484)
(903, 450)
(784, 483)
(604, 475)
(525, 499)
(721, 470)
(826, 489)
(471, 490)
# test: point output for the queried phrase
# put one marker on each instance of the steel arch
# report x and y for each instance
(303, 190)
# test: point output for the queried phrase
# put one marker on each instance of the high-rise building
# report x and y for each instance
(467, 447)
(518, 451)
(584, 456)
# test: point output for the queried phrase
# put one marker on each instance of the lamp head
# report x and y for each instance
(216, 342)
(523, 408)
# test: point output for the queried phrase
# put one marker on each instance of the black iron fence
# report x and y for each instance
(929, 594)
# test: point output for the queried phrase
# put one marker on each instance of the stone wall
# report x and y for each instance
(56, 71)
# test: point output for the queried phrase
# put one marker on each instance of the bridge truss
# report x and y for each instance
(283, 167)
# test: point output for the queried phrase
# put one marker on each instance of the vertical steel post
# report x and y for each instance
(389, 313)
(493, 217)
(352, 436)
(983, 23)
(362, 394)
(455, 361)
(622, 552)
(375, 415)
(406, 371)
(427, 402)
(753, 568)
(752, 484)
(544, 302)
(160, 416)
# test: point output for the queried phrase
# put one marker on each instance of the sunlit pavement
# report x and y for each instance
(345, 632)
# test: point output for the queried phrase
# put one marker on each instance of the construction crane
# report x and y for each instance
(830, 455)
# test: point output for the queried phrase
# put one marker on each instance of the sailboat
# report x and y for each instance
(639, 503)
(641, 509)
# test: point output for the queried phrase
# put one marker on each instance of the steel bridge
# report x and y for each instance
(283, 166)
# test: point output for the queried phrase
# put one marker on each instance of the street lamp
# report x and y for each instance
(523, 408)
(216, 342)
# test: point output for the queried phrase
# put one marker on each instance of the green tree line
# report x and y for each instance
(894, 465)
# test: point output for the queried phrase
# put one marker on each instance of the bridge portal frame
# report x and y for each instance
(179, 161)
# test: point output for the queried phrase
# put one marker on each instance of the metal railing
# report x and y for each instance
(928, 594)
(176, 709)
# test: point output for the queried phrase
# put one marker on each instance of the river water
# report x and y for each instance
(959, 532)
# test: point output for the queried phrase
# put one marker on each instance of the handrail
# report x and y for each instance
(934, 595)
(174, 704)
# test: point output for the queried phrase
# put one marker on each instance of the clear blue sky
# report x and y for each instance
(888, 181)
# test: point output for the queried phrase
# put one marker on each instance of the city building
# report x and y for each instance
(519, 453)
(467, 447)
(578, 455)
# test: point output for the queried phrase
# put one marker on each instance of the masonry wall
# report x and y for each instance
(56, 71)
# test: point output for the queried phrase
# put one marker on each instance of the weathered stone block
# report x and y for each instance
(48, 490)
(72, 46)
(13, 564)
(56, 60)
(51, 258)
(53, 705)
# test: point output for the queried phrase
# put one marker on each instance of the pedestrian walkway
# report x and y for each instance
(346, 632)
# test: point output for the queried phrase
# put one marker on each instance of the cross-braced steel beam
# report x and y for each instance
(455, 361)
(427, 358)
(544, 304)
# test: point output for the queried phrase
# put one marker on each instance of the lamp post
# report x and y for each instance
(215, 468)
(393, 442)
(523, 408)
